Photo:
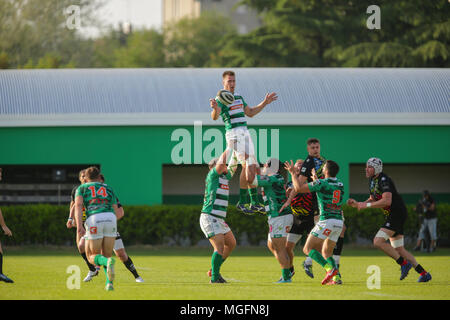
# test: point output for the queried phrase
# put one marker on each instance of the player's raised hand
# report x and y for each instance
(213, 103)
(270, 97)
(289, 166)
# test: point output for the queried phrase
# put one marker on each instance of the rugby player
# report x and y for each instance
(214, 212)
(311, 169)
(303, 208)
(101, 222)
(119, 248)
(93, 270)
(323, 237)
(272, 180)
(8, 233)
(235, 122)
(384, 195)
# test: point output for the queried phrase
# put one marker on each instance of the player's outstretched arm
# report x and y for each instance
(385, 201)
(215, 109)
(299, 186)
(253, 111)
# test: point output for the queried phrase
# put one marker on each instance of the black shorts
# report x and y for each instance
(302, 225)
(395, 221)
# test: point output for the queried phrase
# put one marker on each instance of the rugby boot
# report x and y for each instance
(424, 278)
(405, 270)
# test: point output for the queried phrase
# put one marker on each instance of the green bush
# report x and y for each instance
(179, 224)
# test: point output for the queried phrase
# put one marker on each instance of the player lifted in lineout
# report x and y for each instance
(233, 114)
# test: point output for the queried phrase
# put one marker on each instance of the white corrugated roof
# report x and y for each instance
(57, 92)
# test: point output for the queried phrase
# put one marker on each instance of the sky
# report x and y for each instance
(141, 13)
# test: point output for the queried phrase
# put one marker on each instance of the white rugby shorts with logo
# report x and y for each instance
(280, 226)
(212, 225)
(242, 143)
(329, 228)
(101, 225)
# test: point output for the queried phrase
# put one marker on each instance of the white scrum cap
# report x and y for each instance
(375, 163)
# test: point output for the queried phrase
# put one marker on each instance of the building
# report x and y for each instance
(244, 18)
(151, 133)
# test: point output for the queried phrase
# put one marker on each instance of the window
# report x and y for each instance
(26, 184)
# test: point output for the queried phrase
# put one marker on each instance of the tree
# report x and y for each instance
(192, 42)
(145, 49)
(31, 29)
(313, 33)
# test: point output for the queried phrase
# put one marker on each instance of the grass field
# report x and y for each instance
(180, 274)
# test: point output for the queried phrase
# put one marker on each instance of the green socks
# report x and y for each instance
(317, 257)
(286, 273)
(101, 260)
(331, 262)
(216, 262)
(253, 196)
(243, 196)
(106, 275)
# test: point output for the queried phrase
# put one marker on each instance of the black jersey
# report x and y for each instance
(381, 184)
(306, 170)
(313, 163)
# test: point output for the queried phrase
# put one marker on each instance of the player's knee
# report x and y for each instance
(378, 242)
(122, 255)
(306, 250)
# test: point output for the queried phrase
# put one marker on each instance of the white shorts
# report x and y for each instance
(242, 143)
(330, 228)
(212, 225)
(101, 225)
(279, 227)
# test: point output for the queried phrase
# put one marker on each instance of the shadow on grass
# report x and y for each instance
(149, 250)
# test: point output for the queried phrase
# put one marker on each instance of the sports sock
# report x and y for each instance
(420, 270)
(308, 261)
(216, 262)
(130, 266)
(243, 196)
(401, 261)
(90, 265)
(317, 257)
(101, 260)
(337, 259)
(331, 261)
(286, 274)
(291, 269)
(253, 196)
(106, 275)
(339, 245)
(1, 263)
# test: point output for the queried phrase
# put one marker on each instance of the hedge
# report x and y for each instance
(179, 224)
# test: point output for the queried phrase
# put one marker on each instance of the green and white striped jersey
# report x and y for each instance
(233, 116)
(216, 197)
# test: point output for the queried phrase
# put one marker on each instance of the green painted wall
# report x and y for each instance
(132, 157)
